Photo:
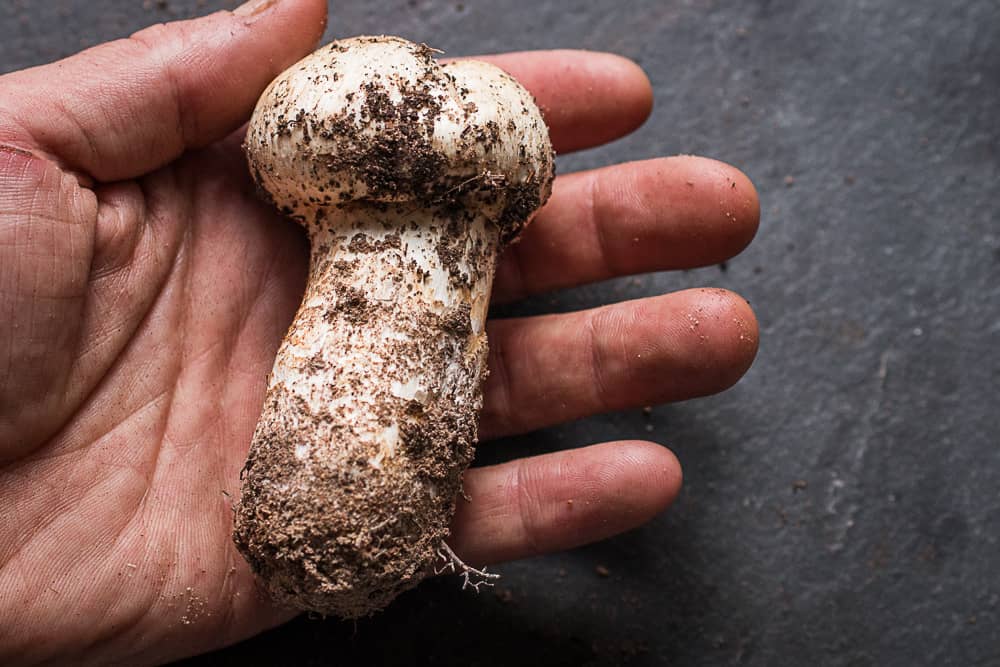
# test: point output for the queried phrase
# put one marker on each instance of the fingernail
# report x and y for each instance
(254, 8)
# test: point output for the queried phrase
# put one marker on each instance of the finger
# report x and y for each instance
(553, 368)
(655, 215)
(561, 500)
(588, 98)
(124, 108)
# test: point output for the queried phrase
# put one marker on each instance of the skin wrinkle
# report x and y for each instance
(184, 121)
(225, 588)
(20, 270)
(35, 216)
(95, 391)
(43, 187)
(499, 409)
(34, 300)
(12, 134)
(262, 290)
(128, 340)
(146, 531)
(593, 335)
(44, 298)
(116, 631)
(15, 289)
(207, 193)
(171, 605)
(190, 358)
(527, 508)
(127, 235)
(155, 591)
(597, 229)
(112, 330)
(16, 277)
(123, 274)
(266, 278)
(21, 576)
(20, 539)
(56, 520)
(180, 335)
(82, 132)
(120, 536)
(58, 451)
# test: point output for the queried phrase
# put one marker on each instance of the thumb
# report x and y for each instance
(124, 108)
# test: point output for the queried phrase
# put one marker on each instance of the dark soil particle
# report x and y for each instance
(457, 321)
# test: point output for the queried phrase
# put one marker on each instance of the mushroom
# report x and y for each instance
(410, 175)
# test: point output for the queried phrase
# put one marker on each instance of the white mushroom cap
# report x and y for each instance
(378, 119)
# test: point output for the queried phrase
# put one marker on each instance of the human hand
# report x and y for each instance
(144, 291)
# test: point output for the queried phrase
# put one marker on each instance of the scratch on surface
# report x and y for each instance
(883, 373)
(860, 451)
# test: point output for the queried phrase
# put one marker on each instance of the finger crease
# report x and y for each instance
(597, 374)
(85, 165)
(603, 255)
(526, 507)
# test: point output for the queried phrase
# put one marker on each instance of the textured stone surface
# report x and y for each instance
(842, 503)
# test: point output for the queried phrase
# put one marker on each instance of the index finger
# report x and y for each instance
(588, 98)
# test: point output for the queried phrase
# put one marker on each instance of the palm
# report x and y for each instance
(144, 291)
(152, 450)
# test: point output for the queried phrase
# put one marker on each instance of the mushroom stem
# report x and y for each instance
(375, 393)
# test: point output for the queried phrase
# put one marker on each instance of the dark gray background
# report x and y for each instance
(842, 503)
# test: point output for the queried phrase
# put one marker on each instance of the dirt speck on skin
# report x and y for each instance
(194, 607)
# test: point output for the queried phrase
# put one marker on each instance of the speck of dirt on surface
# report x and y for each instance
(194, 607)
